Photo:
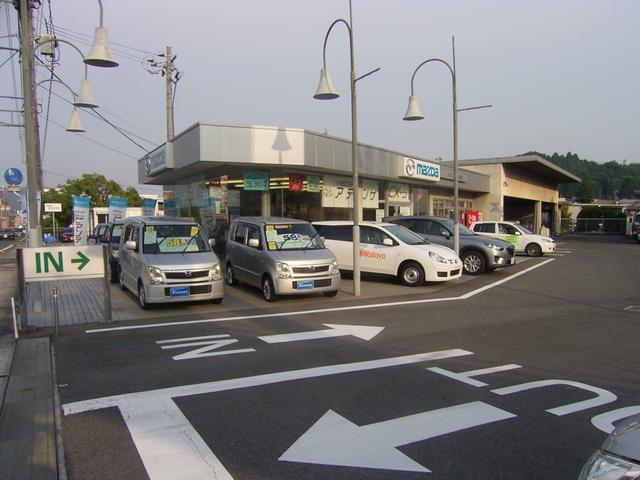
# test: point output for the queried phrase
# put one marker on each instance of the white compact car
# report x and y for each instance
(391, 249)
(524, 240)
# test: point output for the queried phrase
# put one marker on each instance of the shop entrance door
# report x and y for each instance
(397, 210)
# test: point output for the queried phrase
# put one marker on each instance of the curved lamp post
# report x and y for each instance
(84, 98)
(100, 54)
(326, 91)
(74, 123)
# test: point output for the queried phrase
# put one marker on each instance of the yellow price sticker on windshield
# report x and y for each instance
(150, 230)
(175, 242)
(194, 231)
(269, 228)
(272, 245)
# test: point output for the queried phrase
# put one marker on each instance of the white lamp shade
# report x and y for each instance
(74, 124)
(100, 54)
(85, 98)
(326, 90)
(413, 110)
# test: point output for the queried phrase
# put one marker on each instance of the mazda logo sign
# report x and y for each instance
(188, 274)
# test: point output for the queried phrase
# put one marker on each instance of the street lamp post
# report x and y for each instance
(415, 113)
(326, 91)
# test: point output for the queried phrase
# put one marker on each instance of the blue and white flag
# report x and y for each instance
(148, 206)
(81, 207)
(117, 208)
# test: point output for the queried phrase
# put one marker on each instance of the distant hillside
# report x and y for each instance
(599, 180)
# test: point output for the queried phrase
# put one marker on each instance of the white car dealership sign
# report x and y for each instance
(421, 170)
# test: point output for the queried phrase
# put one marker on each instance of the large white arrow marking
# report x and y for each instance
(363, 332)
(334, 440)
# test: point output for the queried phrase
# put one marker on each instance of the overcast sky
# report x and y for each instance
(562, 76)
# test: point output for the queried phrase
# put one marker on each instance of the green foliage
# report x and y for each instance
(96, 186)
(610, 180)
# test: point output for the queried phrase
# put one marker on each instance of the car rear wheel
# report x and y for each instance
(411, 274)
(268, 291)
(473, 263)
(142, 297)
(533, 250)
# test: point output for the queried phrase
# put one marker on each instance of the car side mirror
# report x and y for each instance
(446, 234)
(518, 232)
(388, 242)
(212, 242)
(254, 242)
(131, 245)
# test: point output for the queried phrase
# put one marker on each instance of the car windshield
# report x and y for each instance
(405, 235)
(292, 236)
(463, 230)
(116, 231)
(173, 239)
(523, 229)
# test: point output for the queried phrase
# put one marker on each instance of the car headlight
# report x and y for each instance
(334, 268)
(284, 271)
(154, 275)
(215, 274)
(494, 246)
(602, 466)
(547, 240)
(437, 258)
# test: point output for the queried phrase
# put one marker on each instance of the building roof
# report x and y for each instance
(533, 163)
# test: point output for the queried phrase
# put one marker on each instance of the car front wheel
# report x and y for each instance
(268, 291)
(142, 297)
(533, 250)
(411, 274)
(473, 263)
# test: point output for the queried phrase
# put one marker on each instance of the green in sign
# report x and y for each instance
(82, 260)
(47, 260)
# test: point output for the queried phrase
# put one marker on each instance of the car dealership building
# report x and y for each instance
(216, 172)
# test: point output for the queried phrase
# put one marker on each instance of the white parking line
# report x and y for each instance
(323, 310)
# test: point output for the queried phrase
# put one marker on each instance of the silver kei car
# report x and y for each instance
(281, 256)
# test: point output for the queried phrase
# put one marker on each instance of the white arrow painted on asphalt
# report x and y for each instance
(334, 440)
(364, 332)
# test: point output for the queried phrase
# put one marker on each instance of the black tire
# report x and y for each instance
(411, 274)
(142, 297)
(230, 276)
(268, 292)
(332, 293)
(122, 285)
(216, 301)
(533, 250)
(473, 262)
(114, 273)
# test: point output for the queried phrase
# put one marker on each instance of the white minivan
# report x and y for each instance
(524, 240)
(391, 249)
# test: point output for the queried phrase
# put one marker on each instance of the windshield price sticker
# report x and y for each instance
(194, 231)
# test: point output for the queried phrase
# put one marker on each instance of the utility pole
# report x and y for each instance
(32, 134)
(168, 72)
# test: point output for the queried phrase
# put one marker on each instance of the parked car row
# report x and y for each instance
(163, 259)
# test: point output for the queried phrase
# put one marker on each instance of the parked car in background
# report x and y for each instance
(524, 240)
(478, 254)
(635, 227)
(111, 238)
(282, 256)
(6, 234)
(165, 259)
(66, 235)
(619, 456)
(98, 232)
(390, 249)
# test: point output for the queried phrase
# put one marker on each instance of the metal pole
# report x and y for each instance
(354, 159)
(56, 318)
(15, 322)
(456, 200)
(169, 79)
(22, 298)
(107, 284)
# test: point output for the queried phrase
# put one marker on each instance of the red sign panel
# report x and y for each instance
(296, 182)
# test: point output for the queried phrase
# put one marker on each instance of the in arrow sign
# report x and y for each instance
(82, 260)
(361, 331)
(334, 440)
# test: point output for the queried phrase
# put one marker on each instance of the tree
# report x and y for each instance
(94, 185)
(584, 193)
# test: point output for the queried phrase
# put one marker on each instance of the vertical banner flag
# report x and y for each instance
(148, 206)
(80, 219)
(117, 208)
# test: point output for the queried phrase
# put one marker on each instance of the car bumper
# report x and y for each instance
(300, 286)
(184, 292)
(548, 247)
(499, 259)
(442, 272)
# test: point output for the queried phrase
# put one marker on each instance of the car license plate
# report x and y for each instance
(305, 285)
(179, 292)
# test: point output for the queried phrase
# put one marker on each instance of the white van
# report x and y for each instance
(164, 259)
(524, 240)
(391, 249)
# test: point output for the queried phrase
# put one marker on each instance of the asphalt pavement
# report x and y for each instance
(515, 374)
